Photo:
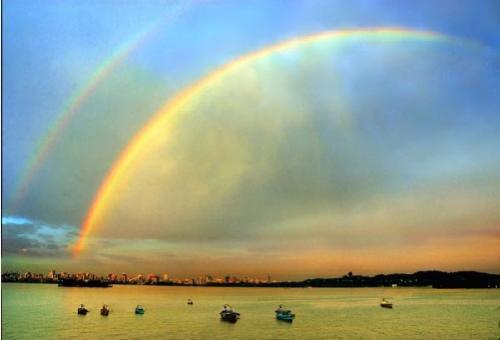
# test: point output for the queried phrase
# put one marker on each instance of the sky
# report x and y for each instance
(292, 138)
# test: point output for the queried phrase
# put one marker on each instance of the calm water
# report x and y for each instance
(33, 311)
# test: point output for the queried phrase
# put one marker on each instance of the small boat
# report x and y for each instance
(284, 314)
(105, 310)
(227, 314)
(139, 309)
(190, 302)
(83, 283)
(82, 310)
(385, 304)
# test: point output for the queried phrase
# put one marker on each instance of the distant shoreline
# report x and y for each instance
(244, 286)
(429, 279)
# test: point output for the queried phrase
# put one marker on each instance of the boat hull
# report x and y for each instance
(82, 311)
(286, 318)
(229, 316)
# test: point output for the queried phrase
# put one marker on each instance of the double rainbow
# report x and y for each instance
(80, 96)
(171, 111)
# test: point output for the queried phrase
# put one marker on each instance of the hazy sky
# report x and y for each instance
(372, 153)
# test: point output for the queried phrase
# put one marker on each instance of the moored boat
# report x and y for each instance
(105, 310)
(284, 314)
(385, 304)
(82, 310)
(83, 283)
(228, 314)
(139, 309)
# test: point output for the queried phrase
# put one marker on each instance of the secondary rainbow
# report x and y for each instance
(49, 139)
(169, 112)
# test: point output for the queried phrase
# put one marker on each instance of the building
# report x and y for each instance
(52, 275)
(152, 279)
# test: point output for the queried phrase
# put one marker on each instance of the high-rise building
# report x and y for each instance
(152, 278)
(51, 275)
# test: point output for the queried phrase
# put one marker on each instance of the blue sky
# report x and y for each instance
(425, 116)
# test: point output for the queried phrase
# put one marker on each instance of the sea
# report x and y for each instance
(46, 311)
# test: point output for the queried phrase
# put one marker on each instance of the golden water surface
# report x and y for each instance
(42, 311)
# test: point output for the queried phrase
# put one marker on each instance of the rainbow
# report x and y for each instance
(170, 112)
(46, 143)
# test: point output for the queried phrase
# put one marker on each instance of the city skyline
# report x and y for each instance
(429, 278)
(53, 276)
(224, 137)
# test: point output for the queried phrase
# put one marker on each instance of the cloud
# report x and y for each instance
(16, 220)
(295, 154)
(74, 167)
(322, 155)
(24, 237)
(298, 155)
(310, 132)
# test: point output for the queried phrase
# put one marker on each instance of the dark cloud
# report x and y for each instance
(19, 229)
(35, 238)
(17, 244)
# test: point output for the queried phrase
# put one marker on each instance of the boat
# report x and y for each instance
(284, 314)
(139, 309)
(190, 302)
(83, 283)
(82, 310)
(105, 310)
(385, 304)
(227, 314)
